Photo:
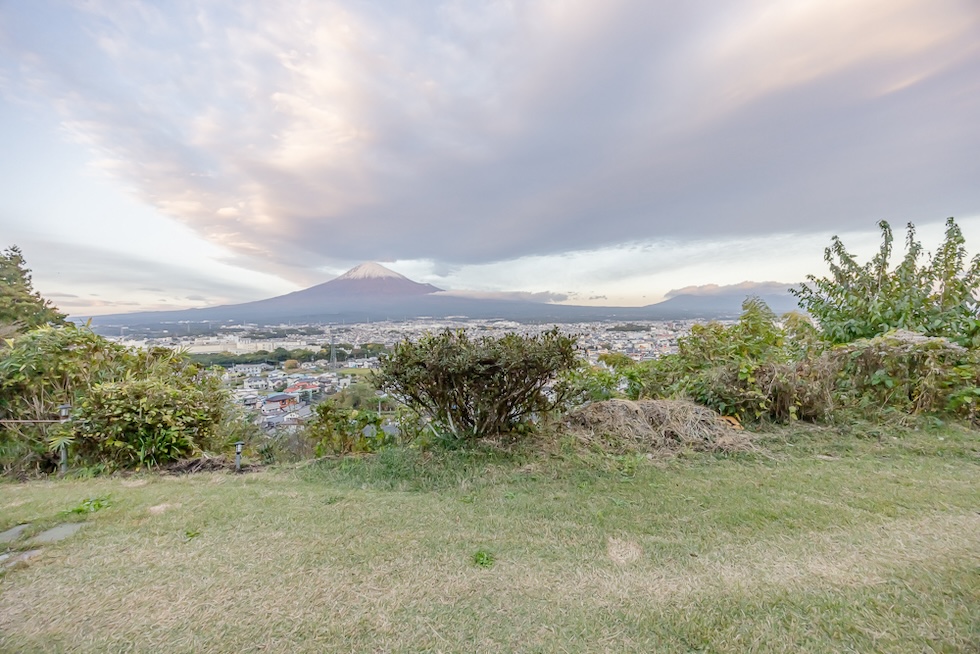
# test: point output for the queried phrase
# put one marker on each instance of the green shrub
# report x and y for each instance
(147, 422)
(41, 370)
(130, 409)
(477, 388)
(750, 370)
(586, 383)
(905, 372)
(338, 431)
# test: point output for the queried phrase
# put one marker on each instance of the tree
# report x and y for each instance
(477, 388)
(356, 396)
(937, 298)
(616, 360)
(19, 302)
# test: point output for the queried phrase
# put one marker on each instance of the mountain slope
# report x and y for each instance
(370, 291)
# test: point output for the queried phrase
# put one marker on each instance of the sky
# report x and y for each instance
(194, 153)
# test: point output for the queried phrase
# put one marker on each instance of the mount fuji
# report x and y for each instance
(371, 292)
(370, 279)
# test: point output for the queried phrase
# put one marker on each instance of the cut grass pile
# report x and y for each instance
(654, 426)
(823, 543)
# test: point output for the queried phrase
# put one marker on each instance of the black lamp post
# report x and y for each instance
(64, 410)
(238, 455)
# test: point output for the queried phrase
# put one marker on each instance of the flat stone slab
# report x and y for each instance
(13, 533)
(8, 561)
(60, 532)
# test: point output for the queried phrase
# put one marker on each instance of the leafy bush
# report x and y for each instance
(905, 372)
(748, 370)
(477, 388)
(759, 369)
(129, 408)
(586, 383)
(147, 422)
(938, 298)
(41, 370)
(341, 431)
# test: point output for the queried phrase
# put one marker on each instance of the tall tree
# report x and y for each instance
(19, 302)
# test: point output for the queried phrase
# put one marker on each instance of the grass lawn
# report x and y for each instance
(824, 543)
(355, 372)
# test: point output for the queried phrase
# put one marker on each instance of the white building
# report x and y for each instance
(257, 384)
(249, 368)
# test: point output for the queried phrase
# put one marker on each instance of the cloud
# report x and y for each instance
(753, 288)
(305, 136)
(124, 278)
(87, 305)
(519, 296)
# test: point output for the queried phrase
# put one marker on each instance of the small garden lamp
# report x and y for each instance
(238, 455)
(64, 410)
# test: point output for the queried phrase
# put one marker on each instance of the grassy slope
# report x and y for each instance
(829, 544)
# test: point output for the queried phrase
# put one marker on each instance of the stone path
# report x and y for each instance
(12, 534)
(59, 532)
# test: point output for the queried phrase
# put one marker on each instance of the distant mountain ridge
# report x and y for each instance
(371, 292)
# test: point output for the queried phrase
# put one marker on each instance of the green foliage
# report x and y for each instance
(146, 422)
(279, 355)
(482, 387)
(586, 383)
(48, 366)
(91, 505)
(337, 431)
(616, 360)
(909, 375)
(629, 327)
(43, 369)
(758, 369)
(483, 558)
(20, 304)
(746, 370)
(361, 395)
(129, 408)
(936, 298)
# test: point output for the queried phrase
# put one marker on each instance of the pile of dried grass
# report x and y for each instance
(622, 426)
(205, 464)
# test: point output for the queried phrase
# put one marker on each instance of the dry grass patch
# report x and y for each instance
(623, 551)
(161, 508)
(869, 553)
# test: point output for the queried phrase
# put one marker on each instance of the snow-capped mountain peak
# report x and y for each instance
(370, 270)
